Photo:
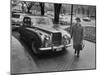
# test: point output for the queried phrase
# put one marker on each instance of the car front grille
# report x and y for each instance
(56, 39)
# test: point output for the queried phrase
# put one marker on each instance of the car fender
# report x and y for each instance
(34, 36)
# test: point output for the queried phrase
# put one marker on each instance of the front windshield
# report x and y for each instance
(43, 21)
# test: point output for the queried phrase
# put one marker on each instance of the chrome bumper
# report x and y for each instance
(54, 47)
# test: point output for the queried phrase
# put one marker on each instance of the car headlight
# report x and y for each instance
(46, 41)
(46, 38)
(66, 40)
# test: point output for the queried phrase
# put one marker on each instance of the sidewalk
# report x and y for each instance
(22, 62)
(87, 57)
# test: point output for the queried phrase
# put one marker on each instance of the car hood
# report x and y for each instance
(53, 29)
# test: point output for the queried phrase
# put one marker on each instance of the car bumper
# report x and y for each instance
(57, 48)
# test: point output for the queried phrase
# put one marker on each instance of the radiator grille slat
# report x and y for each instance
(56, 39)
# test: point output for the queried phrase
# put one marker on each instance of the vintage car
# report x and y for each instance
(42, 35)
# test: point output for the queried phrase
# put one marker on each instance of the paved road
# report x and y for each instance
(23, 62)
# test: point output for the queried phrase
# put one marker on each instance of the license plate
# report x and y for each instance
(58, 49)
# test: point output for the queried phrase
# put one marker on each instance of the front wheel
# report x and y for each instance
(34, 49)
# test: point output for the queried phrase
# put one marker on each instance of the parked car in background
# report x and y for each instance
(41, 35)
(16, 20)
(66, 19)
(87, 19)
(50, 14)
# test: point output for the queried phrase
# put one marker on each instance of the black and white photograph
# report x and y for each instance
(52, 37)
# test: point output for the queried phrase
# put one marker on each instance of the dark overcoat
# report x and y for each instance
(77, 35)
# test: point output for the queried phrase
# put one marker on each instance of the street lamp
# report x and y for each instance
(71, 13)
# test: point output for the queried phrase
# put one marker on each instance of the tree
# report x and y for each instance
(83, 11)
(14, 2)
(63, 10)
(28, 6)
(79, 10)
(57, 8)
(23, 6)
(42, 8)
(88, 11)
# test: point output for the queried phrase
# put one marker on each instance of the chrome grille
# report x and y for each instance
(56, 38)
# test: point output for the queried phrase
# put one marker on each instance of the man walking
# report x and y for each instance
(77, 35)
